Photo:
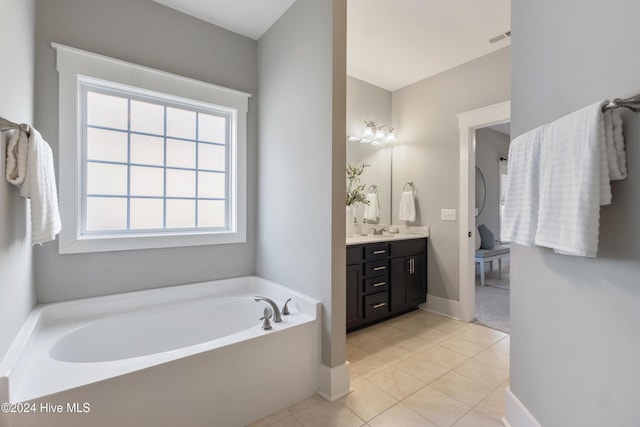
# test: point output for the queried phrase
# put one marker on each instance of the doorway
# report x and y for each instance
(468, 123)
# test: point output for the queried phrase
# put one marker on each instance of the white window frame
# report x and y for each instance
(75, 64)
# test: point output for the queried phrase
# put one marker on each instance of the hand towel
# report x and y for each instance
(30, 167)
(580, 155)
(520, 214)
(372, 210)
(407, 207)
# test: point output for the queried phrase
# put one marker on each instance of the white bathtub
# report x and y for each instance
(190, 355)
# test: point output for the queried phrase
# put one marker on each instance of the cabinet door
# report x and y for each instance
(354, 306)
(399, 273)
(416, 280)
(408, 284)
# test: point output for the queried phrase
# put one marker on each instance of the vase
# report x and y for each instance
(350, 215)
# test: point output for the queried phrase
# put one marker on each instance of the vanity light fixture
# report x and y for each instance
(374, 134)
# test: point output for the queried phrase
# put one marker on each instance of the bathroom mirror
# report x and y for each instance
(481, 191)
(377, 174)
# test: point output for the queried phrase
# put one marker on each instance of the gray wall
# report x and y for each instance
(428, 153)
(372, 103)
(17, 295)
(574, 321)
(301, 223)
(490, 146)
(149, 34)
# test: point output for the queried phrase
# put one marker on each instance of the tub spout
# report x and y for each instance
(276, 311)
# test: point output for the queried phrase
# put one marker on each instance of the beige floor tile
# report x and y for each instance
(494, 356)
(367, 366)
(396, 383)
(411, 344)
(355, 353)
(450, 325)
(461, 388)
(463, 346)
(436, 406)
(476, 419)
(310, 401)
(490, 375)
(287, 422)
(481, 335)
(422, 369)
(271, 419)
(443, 356)
(433, 336)
(366, 400)
(493, 405)
(325, 414)
(503, 345)
(391, 353)
(400, 416)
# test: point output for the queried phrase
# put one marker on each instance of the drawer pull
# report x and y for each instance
(375, 285)
(379, 268)
(379, 305)
(384, 251)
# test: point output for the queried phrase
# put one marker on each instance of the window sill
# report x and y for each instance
(88, 244)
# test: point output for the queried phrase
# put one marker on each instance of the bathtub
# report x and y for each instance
(189, 355)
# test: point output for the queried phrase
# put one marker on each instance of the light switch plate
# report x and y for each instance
(448, 214)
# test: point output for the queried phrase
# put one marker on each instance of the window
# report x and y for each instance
(147, 159)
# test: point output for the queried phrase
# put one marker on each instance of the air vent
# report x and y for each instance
(499, 37)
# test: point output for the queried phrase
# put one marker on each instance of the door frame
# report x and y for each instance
(468, 123)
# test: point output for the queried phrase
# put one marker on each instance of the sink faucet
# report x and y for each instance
(378, 231)
(276, 311)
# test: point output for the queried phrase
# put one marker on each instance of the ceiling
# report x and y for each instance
(390, 43)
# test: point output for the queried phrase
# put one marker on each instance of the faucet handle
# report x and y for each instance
(285, 309)
(268, 313)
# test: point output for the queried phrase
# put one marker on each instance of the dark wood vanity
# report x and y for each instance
(385, 279)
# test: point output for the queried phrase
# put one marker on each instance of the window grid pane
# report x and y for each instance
(182, 194)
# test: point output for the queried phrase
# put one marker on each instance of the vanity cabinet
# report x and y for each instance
(385, 279)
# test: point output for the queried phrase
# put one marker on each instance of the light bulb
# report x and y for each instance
(368, 133)
(391, 137)
(379, 134)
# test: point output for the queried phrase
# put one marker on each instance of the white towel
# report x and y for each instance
(580, 155)
(520, 215)
(407, 207)
(372, 210)
(30, 167)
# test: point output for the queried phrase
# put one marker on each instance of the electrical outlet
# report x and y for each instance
(448, 214)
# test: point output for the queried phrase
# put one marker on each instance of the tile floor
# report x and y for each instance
(419, 369)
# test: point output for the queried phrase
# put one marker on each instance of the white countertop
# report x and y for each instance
(386, 237)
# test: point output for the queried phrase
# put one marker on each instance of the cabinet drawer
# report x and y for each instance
(376, 284)
(354, 254)
(408, 247)
(376, 268)
(376, 305)
(379, 251)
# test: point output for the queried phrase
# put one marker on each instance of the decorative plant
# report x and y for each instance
(355, 190)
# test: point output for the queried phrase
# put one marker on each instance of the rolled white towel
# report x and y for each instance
(407, 207)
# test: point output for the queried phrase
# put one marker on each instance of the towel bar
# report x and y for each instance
(8, 125)
(632, 104)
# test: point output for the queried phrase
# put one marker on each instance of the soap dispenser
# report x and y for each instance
(356, 227)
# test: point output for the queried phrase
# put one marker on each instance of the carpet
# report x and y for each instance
(492, 301)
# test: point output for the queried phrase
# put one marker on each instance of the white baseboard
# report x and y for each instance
(443, 306)
(515, 413)
(334, 382)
